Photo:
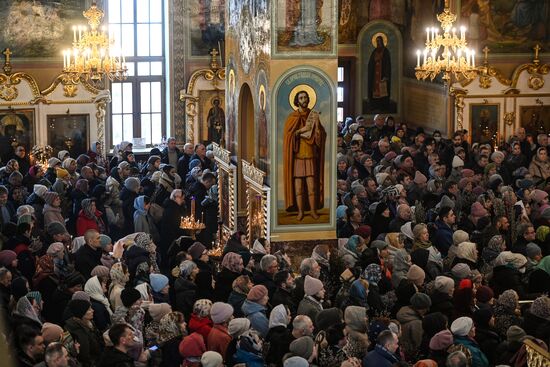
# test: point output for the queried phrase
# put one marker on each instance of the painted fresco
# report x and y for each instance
(39, 28)
(206, 26)
(507, 26)
(231, 105)
(380, 69)
(305, 26)
(303, 140)
(263, 128)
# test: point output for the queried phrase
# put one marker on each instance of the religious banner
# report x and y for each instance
(303, 142)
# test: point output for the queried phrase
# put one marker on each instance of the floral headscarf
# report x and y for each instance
(508, 299)
(372, 273)
(320, 254)
(232, 262)
(202, 307)
(118, 275)
(169, 326)
(10, 166)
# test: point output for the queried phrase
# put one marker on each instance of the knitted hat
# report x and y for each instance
(159, 310)
(419, 178)
(539, 195)
(462, 326)
(81, 295)
(50, 196)
(256, 293)
(515, 334)
(158, 281)
(211, 359)
(61, 173)
(221, 312)
(444, 284)
(484, 294)
(51, 332)
(416, 275)
(302, 347)
(37, 296)
(132, 184)
(52, 162)
(79, 307)
(296, 362)
(497, 154)
(363, 231)
(532, 250)
(457, 162)
(39, 190)
(461, 271)
(196, 250)
(7, 257)
(391, 155)
(192, 346)
(55, 228)
(442, 340)
(55, 249)
(238, 326)
(464, 182)
(460, 236)
(129, 296)
(421, 301)
(100, 271)
(104, 240)
(312, 286)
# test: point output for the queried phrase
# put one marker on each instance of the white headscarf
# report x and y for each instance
(95, 291)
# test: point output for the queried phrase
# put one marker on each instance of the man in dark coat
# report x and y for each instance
(268, 268)
(89, 256)
(444, 235)
(122, 337)
(171, 154)
(383, 354)
(183, 162)
(283, 294)
(174, 210)
(205, 210)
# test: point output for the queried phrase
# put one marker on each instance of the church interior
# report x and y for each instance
(271, 89)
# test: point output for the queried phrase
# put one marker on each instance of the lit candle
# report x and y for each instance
(417, 58)
(74, 33)
(433, 33)
(462, 32)
(427, 35)
(473, 59)
(458, 55)
(467, 57)
(64, 59)
(454, 32)
(193, 206)
(79, 33)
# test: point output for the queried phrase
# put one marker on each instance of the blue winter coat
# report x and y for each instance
(478, 357)
(256, 314)
(379, 357)
(249, 359)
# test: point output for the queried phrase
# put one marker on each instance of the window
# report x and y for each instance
(344, 91)
(139, 103)
(340, 95)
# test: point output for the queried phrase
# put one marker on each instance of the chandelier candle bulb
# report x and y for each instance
(427, 36)
(462, 32)
(417, 58)
(473, 59)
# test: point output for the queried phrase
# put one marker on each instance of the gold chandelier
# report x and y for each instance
(446, 53)
(92, 56)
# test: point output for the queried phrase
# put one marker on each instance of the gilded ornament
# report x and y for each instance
(535, 82)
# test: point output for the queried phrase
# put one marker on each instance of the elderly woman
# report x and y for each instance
(119, 278)
(401, 265)
(424, 254)
(507, 312)
(172, 329)
(89, 218)
(351, 251)
(82, 328)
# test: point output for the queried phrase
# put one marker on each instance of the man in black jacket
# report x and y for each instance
(171, 154)
(122, 337)
(283, 294)
(183, 161)
(89, 256)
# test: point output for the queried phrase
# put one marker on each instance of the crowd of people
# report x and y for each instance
(442, 259)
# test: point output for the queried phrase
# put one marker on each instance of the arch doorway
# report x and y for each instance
(246, 134)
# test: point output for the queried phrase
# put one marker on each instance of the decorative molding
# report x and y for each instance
(222, 154)
(253, 174)
(101, 102)
(510, 118)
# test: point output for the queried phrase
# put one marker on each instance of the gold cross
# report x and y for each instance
(214, 52)
(7, 53)
(486, 52)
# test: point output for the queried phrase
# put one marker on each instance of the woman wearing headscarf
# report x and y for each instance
(507, 312)
(249, 350)
(27, 311)
(119, 278)
(232, 268)
(172, 329)
(321, 254)
(382, 218)
(422, 249)
(45, 279)
(508, 273)
(466, 253)
(200, 321)
(89, 218)
(100, 304)
(489, 254)
(185, 288)
(279, 336)
(540, 166)
(143, 221)
(373, 274)
(401, 265)
(52, 209)
(356, 321)
(7, 170)
(351, 251)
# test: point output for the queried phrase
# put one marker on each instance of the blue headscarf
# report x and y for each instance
(341, 212)
(139, 205)
(353, 242)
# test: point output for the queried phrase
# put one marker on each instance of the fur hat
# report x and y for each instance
(457, 162)
(129, 296)
(312, 286)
